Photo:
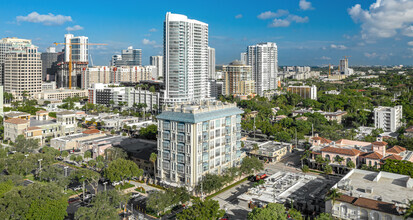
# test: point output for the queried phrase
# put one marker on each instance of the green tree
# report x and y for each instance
(114, 153)
(250, 165)
(91, 163)
(121, 169)
(73, 157)
(324, 216)
(149, 132)
(350, 164)
(295, 214)
(305, 169)
(35, 201)
(409, 211)
(202, 210)
(24, 145)
(210, 183)
(153, 158)
(86, 175)
(328, 169)
(273, 211)
(103, 206)
(333, 195)
(87, 154)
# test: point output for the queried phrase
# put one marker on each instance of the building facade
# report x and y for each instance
(211, 63)
(49, 61)
(263, 59)
(388, 118)
(196, 139)
(238, 79)
(186, 59)
(5, 45)
(157, 61)
(23, 70)
(306, 92)
(129, 57)
(80, 48)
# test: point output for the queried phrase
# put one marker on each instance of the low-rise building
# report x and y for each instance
(388, 118)
(61, 94)
(270, 151)
(330, 116)
(139, 151)
(73, 141)
(371, 195)
(306, 92)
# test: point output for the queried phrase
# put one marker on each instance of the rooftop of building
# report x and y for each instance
(198, 112)
(66, 113)
(16, 114)
(16, 121)
(139, 148)
(384, 186)
(36, 123)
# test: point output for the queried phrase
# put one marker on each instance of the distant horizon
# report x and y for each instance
(307, 32)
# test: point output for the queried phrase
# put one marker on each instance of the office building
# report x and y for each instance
(343, 67)
(157, 61)
(61, 94)
(211, 62)
(263, 58)
(186, 59)
(129, 57)
(388, 118)
(371, 195)
(49, 61)
(244, 58)
(5, 45)
(23, 70)
(238, 79)
(216, 88)
(196, 139)
(306, 92)
(80, 48)
(115, 58)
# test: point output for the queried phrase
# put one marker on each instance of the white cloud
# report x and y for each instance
(325, 58)
(338, 47)
(238, 16)
(74, 28)
(46, 19)
(384, 18)
(152, 30)
(278, 22)
(270, 14)
(148, 42)
(410, 43)
(370, 55)
(304, 5)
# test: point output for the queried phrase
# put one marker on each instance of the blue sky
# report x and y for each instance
(307, 32)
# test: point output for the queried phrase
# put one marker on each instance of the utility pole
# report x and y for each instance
(296, 142)
(312, 130)
(40, 165)
(254, 128)
(65, 175)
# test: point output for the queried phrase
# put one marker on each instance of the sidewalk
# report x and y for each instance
(146, 187)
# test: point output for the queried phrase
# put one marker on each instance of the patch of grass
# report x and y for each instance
(30, 177)
(156, 186)
(124, 186)
(140, 189)
(227, 188)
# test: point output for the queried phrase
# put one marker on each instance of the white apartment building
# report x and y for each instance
(211, 62)
(388, 118)
(244, 58)
(157, 61)
(196, 139)
(23, 70)
(263, 58)
(79, 48)
(186, 59)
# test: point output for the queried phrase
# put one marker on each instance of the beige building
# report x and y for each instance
(61, 94)
(73, 141)
(270, 151)
(14, 127)
(238, 79)
(23, 70)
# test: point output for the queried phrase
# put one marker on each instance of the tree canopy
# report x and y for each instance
(202, 210)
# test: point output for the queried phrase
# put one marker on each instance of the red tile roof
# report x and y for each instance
(393, 157)
(374, 156)
(409, 129)
(42, 111)
(91, 131)
(370, 204)
(345, 151)
(379, 143)
(396, 149)
(322, 140)
(16, 121)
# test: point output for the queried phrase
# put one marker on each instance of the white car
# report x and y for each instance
(115, 183)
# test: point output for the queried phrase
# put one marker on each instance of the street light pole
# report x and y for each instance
(26, 159)
(40, 165)
(104, 184)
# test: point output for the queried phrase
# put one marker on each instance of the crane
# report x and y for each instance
(70, 57)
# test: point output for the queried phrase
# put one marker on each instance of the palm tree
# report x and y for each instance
(409, 210)
(333, 194)
(25, 94)
(305, 155)
(153, 158)
(338, 159)
(319, 160)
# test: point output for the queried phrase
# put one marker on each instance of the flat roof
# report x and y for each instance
(199, 117)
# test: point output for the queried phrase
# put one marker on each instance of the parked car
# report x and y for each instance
(115, 183)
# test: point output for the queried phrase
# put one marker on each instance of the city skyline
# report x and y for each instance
(306, 32)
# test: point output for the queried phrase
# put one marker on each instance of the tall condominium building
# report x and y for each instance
(244, 58)
(306, 92)
(238, 79)
(343, 67)
(157, 61)
(80, 49)
(129, 57)
(186, 59)
(196, 139)
(49, 60)
(5, 45)
(23, 70)
(388, 118)
(115, 58)
(263, 58)
(211, 62)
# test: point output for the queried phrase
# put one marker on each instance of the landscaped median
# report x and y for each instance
(227, 188)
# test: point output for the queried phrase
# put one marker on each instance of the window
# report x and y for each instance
(181, 137)
(166, 125)
(217, 123)
(166, 155)
(181, 148)
(181, 158)
(181, 168)
(166, 145)
(181, 127)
